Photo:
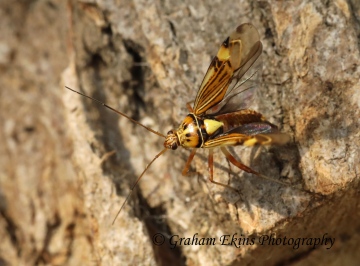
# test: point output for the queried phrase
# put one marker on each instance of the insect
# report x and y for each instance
(219, 116)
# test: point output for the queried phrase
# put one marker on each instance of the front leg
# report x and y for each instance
(185, 171)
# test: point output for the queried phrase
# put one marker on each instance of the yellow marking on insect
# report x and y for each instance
(250, 142)
(223, 53)
(259, 139)
(212, 125)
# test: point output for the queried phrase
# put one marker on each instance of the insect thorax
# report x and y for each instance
(193, 132)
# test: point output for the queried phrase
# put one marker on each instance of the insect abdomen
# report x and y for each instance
(239, 118)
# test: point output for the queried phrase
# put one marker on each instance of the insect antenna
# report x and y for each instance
(137, 181)
(118, 112)
(138, 123)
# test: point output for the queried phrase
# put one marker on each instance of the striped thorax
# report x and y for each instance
(193, 132)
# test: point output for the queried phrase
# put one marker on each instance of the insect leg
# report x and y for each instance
(185, 171)
(211, 171)
(246, 168)
(237, 163)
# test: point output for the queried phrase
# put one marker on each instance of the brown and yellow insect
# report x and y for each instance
(219, 116)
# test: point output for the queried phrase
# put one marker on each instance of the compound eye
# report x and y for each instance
(174, 146)
(170, 132)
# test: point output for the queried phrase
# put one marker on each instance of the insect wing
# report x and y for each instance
(262, 133)
(234, 139)
(255, 128)
(215, 82)
(234, 58)
(241, 91)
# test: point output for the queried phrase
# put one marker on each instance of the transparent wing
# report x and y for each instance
(241, 91)
(254, 129)
(229, 71)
